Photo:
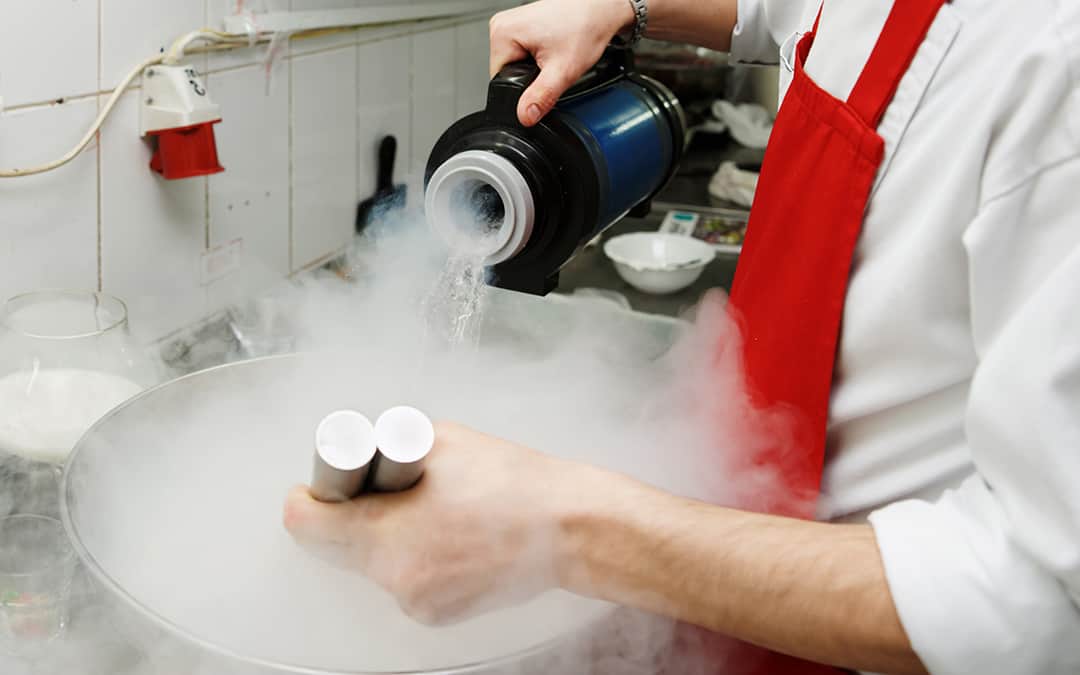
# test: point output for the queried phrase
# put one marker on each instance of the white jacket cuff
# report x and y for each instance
(969, 599)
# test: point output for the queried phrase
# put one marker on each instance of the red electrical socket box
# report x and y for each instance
(185, 152)
(179, 117)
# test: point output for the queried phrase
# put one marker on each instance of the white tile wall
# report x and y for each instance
(132, 30)
(383, 108)
(250, 201)
(48, 223)
(31, 67)
(153, 231)
(324, 148)
(433, 86)
(297, 159)
(472, 67)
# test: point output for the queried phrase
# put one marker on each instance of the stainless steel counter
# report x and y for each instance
(689, 191)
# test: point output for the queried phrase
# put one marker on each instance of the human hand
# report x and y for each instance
(566, 37)
(477, 533)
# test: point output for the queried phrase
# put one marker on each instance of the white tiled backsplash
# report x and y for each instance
(298, 147)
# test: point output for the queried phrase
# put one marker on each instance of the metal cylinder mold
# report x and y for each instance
(344, 450)
(404, 436)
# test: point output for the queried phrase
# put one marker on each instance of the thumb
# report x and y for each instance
(311, 521)
(542, 95)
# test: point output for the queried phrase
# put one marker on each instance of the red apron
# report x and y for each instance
(789, 288)
(792, 277)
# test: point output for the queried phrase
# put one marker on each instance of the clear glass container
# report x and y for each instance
(37, 565)
(66, 359)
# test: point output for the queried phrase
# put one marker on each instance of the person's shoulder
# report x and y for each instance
(1066, 25)
(1021, 62)
(1046, 32)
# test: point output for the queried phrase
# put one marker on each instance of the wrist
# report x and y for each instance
(621, 14)
(587, 520)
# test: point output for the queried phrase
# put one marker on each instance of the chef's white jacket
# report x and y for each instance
(955, 416)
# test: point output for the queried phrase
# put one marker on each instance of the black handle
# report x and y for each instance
(506, 88)
(613, 64)
(385, 167)
(517, 75)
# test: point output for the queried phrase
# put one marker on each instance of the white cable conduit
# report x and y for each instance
(360, 16)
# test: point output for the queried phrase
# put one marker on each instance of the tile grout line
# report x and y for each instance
(356, 122)
(292, 171)
(412, 104)
(206, 213)
(100, 265)
(356, 119)
(206, 179)
(457, 89)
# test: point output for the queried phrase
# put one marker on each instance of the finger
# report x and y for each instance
(505, 51)
(447, 433)
(538, 100)
(315, 522)
(505, 47)
(334, 555)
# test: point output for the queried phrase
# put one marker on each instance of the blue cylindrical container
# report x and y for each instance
(630, 143)
(529, 198)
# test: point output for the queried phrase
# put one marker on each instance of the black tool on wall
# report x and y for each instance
(388, 196)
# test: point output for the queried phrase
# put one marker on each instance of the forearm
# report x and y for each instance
(812, 590)
(707, 23)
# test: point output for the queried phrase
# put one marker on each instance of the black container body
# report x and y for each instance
(611, 143)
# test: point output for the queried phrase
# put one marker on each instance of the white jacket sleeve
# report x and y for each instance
(987, 580)
(762, 27)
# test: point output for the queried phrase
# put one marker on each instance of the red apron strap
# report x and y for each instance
(904, 32)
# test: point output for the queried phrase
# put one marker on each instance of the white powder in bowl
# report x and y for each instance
(44, 413)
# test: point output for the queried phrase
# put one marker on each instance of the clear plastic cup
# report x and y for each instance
(37, 565)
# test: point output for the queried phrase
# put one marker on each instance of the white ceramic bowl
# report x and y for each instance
(659, 262)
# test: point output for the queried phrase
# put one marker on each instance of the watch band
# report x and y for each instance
(641, 22)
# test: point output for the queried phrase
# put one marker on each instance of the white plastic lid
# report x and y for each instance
(345, 440)
(404, 434)
(447, 204)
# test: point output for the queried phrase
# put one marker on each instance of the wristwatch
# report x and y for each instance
(641, 22)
